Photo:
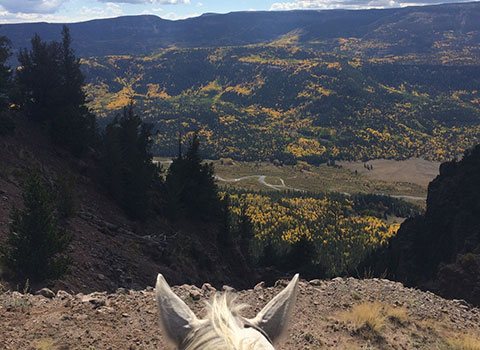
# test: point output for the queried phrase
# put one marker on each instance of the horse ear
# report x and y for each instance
(176, 318)
(274, 317)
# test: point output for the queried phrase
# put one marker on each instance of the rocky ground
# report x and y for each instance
(335, 314)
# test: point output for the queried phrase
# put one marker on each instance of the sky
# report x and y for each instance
(15, 11)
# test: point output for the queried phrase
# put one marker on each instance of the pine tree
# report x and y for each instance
(128, 171)
(73, 126)
(38, 79)
(225, 239)
(50, 87)
(7, 126)
(4, 72)
(36, 244)
(245, 233)
(191, 186)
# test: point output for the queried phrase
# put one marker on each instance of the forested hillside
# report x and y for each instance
(285, 101)
(308, 85)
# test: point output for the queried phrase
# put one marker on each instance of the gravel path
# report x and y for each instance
(128, 319)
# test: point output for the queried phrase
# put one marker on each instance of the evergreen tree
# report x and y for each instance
(245, 233)
(7, 125)
(191, 186)
(73, 126)
(36, 244)
(38, 79)
(4, 72)
(128, 171)
(224, 238)
(50, 87)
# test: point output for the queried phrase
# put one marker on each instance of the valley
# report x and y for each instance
(232, 151)
(400, 179)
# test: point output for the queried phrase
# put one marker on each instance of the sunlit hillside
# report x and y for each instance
(290, 101)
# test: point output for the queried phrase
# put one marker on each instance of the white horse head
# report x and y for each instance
(224, 328)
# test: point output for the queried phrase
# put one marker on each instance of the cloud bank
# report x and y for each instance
(348, 4)
(32, 6)
(154, 2)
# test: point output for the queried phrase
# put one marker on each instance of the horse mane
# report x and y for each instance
(221, 328)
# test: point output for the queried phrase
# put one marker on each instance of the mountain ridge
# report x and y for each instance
(237, 28)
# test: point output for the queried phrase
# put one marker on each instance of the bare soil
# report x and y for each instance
(128, 319)
(414, 170)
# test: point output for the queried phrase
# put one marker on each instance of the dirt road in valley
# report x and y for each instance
(283, 187)
(262, 179)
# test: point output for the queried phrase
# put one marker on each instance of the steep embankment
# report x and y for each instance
(108, 250)
(398, 318)
(441, 249)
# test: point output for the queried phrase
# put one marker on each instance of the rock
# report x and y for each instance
(259, 286)
(315, 282)
(228, 289)
(281, 283)
(460, 302)
(45, 292)
(61, 294)
(111, 227)
(16, 294)
(122, 291)
(207, 287)
(195, 294)
(101, 277)
(94, 300)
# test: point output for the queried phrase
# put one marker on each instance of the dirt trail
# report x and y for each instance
(408, 318)
(262, 180)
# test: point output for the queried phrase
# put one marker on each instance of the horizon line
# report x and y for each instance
(372, 8)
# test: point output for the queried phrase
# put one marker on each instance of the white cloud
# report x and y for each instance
(347, 4)
(159, 2)
(175, 16)
(32, 6)
(109, 10)
(106, 10)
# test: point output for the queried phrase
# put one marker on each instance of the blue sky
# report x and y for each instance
(13, 11)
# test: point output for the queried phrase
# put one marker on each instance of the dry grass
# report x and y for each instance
(465, 342)
(366, 315)
(374, 316)
(45, 344)
(396, 314)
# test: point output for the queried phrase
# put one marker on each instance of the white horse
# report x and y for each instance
(224, 328)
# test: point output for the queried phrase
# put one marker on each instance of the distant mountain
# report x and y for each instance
(411, 28)
(298, 85)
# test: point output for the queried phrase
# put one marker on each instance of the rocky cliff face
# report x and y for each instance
(441, 249)
(336, 314)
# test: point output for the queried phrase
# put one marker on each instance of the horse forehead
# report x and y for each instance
(253, 338)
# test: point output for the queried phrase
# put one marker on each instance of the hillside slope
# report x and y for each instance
(108, 250)
(405, 318)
